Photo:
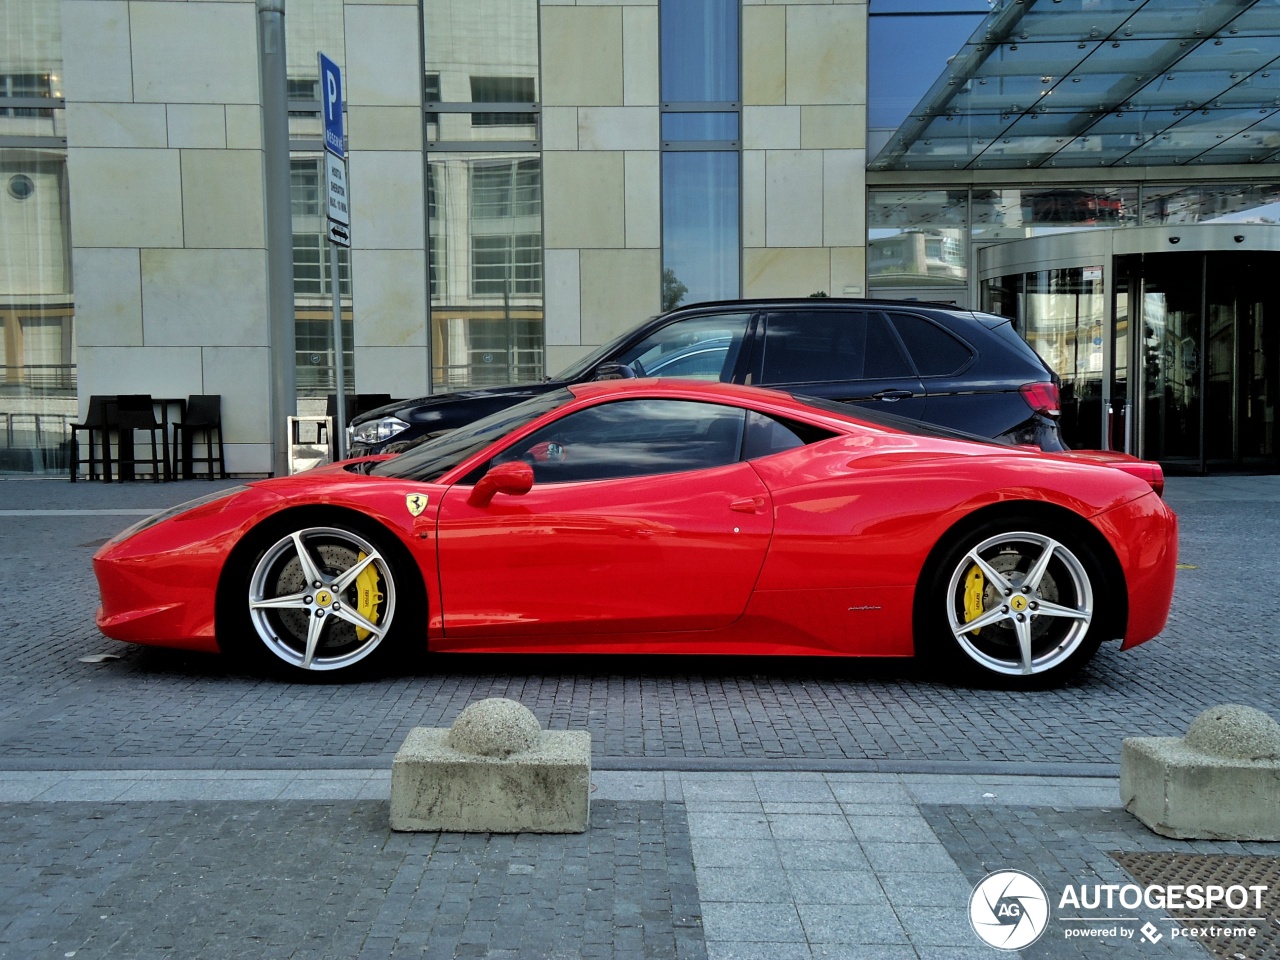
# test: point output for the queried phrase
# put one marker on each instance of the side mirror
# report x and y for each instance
(614, 371)
(512, 478)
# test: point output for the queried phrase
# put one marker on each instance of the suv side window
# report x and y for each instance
(935, 352)
(698, 348)
(815, 346)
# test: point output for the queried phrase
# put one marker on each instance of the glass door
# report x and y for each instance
(1170, 352)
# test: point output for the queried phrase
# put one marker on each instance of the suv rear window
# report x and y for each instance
(935, 352)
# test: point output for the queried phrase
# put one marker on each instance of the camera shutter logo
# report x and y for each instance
(1009, 910)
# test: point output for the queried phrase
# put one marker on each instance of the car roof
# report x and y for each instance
(819, 303)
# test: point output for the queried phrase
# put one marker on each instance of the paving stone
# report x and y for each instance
(298, 879)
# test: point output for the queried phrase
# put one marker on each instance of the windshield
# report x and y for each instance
(430, 461)
(579, 369)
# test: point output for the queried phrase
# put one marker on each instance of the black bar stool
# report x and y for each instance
(203, 415)
(97, 421)
(136, 411)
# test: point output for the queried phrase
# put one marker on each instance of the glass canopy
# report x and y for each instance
(1102, 83)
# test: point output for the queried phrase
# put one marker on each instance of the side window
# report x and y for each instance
(700, 348)
(632, 438)
(767, 435)
(829, 345)
(935, 352)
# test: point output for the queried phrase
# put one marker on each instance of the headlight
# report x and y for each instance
(378, 431)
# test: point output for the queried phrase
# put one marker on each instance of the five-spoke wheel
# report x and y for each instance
(1019, 602)
(322, 598)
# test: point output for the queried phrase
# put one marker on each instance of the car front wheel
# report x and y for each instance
(1017, 602)
(322, 599)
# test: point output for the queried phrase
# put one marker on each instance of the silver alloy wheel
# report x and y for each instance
(1036, 603)
(322, 598)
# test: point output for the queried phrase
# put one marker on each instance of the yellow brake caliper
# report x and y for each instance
(975, 586)
(368, 596)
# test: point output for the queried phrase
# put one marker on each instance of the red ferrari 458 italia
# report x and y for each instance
(665, 516)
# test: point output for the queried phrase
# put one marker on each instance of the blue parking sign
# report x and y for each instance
(331, 105)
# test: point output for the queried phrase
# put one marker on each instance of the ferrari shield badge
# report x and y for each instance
(416, 502)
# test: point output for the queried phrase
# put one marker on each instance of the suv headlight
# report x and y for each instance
(378, 431)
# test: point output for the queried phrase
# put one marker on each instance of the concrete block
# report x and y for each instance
(1220, 782)
(496, 771)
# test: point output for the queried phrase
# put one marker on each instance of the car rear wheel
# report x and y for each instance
(322, 599)
(1017, 601)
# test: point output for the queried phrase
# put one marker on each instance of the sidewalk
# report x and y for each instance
(774, 866)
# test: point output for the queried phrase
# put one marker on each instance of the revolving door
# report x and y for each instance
(1170, 354)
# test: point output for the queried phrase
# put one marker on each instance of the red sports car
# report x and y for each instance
(665, 516)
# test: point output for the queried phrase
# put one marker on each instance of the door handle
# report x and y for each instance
(892, 395)
(747, 505)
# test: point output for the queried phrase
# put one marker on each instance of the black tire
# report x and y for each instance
(1035, 592)
(319, 598)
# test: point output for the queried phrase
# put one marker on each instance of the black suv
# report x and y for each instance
(955, 368)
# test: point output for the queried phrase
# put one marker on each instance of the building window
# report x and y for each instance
(304, 188)
(506, 188)
(38, 377)
(27, 85)
(701, 158)
(484, 191)
(699, 49)
(506, 265)
(502, 90)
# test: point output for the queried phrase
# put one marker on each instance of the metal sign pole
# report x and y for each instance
(338, 211)
(279, 229)
(339, 365)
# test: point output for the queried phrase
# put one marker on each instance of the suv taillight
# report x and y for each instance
(1042, 397)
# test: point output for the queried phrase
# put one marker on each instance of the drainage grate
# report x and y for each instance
(1219, 930)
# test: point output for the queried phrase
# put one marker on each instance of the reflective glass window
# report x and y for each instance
(699, 126)
(477, 52)
(484, 191)
(917, 239)
(1028, 211)
(37, 327)
(700, 234)
(909, 46)
(699, 50)
(1211, 203)
(484, 215)
(503, 90)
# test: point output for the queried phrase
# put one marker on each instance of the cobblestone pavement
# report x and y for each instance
(174, 709)
(328, 880)
(738, 866)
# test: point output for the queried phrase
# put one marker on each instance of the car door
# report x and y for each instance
(642, 518)
(852, 356)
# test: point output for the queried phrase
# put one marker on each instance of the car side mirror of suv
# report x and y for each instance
(614, 371)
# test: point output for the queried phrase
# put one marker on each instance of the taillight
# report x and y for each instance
(1043, 397)
(1145, 470)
